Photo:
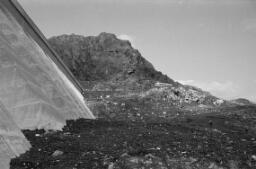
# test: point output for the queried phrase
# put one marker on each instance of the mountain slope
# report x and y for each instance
(105, 63)
(104, 57)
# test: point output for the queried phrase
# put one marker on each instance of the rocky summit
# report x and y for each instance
(103, 58)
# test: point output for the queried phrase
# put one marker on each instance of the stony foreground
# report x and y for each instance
(211, 141)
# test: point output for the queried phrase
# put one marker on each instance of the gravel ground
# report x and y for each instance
(213, 140)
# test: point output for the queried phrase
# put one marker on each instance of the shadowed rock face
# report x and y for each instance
(104, 57)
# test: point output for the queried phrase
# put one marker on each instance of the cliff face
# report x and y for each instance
(104, 58)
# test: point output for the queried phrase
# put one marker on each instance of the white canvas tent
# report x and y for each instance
(12, 141)
(36, 88)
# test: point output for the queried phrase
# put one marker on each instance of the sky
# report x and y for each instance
(210, 44)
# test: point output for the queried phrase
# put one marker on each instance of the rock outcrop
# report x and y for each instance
(104, 58)
(111, 64)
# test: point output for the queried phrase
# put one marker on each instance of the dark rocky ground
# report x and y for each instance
(224, 139)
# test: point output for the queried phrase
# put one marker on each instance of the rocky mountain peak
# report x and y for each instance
(112, 64)
(103, 58)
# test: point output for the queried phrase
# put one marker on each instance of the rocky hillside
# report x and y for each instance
(121, 84)
(106, 63)
(104, 58)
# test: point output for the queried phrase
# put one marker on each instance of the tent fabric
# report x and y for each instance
(36, 89)
(12, 141)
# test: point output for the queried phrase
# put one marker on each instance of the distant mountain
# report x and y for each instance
(242, 102)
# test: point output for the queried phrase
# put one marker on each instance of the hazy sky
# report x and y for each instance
(207, 43)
